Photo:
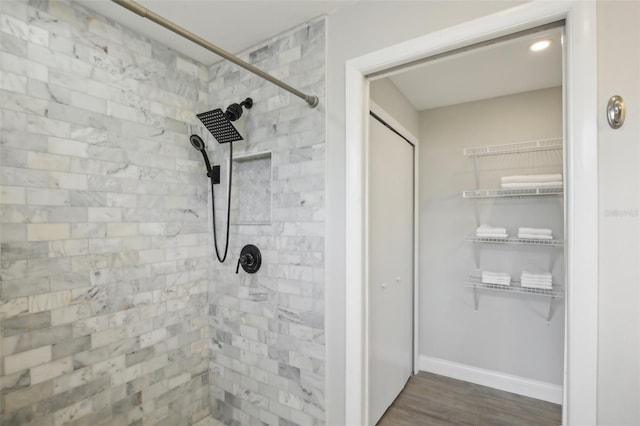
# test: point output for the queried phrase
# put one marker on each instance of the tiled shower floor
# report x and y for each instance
(209, 421)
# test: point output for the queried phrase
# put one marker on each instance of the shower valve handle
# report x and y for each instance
(245, 260)
(250, 259)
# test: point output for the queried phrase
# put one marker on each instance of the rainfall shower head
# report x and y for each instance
(219, 123)
(219, 126)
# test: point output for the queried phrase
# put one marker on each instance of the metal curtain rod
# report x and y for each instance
(146, 13)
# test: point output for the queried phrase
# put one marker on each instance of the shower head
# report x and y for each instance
(219, 126)
(197, 142)
(234, 111)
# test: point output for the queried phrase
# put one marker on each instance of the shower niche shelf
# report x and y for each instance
(252, 189)
(521, 241)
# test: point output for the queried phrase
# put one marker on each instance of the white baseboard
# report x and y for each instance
(493, 379)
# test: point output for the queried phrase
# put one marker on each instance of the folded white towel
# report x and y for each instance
(539, 231)
(536, 279)
(499, 278)
(496, 282)
(535, 237)
(533, 285)
(536, 283)
(539, 279)
(487, 229)
(496, 274)
(519, 185)
(531, 178)
(534, 275)
(492, 235)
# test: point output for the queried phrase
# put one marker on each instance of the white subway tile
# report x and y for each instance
(12, 195)
(44, 161)
(27, 359)
(122, 230)
(105, 214)
(22, 66)
(13, 82)
(49, 301)
(67, 147)
(47, 197)
(51, 370)
(47, 231)
(65, 180)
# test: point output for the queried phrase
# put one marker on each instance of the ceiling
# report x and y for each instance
(496, 70)
(232, 25)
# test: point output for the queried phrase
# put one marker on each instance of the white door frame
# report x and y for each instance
(581, 184)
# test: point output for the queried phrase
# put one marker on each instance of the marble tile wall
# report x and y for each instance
(267, 329)
(104, 224)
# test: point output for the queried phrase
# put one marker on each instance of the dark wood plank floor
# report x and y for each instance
(429, 399)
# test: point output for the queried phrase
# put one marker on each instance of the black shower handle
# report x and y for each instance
(250, 259)
(244, 260)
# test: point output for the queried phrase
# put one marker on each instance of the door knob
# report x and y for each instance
(615, 112)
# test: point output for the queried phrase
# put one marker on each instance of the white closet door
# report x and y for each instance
(391, 192)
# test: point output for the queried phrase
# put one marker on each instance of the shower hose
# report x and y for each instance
(213, 210)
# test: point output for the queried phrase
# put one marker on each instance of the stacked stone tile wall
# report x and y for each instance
(267, 329)
(104, 221)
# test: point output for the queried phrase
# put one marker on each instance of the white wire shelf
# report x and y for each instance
(511, 240)
(519, 192)
(515, 148)
(515, 287)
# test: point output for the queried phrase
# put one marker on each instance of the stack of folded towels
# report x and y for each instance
(535, 233)
(499, 278)
(530, 280)
(487, 231)
(531, 181)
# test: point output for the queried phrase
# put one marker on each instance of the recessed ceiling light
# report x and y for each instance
(540, 45)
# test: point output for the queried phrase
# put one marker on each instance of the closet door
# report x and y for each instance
(391, 235)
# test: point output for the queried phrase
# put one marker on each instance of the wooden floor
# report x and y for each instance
(429, 399)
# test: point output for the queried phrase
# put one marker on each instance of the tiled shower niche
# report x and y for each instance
(252, 188)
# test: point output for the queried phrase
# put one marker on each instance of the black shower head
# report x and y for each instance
(219, 126)
(234, 111)
(197, 142)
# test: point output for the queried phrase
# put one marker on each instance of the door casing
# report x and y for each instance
(580, 372)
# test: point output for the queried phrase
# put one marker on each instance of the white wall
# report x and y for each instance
(384, 93)
(619, 192)
(370, 26)
(509, 332)
(354, 31)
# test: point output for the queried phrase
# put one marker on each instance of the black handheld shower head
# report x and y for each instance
(234, 111)
(198, 143)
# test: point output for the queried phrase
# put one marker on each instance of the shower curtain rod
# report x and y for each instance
(146, 13)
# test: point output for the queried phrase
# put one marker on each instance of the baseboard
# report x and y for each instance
(493, 379)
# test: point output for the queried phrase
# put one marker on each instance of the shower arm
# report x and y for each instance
(146, 13)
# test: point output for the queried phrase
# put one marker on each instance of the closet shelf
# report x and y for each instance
(522, 241)
(515, 148)
(520, 192)
(515, 287)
